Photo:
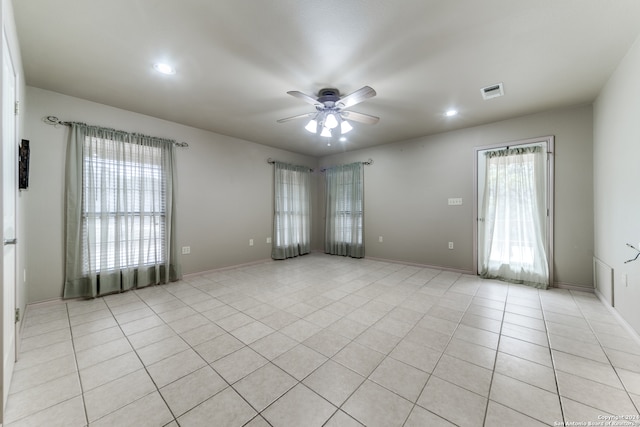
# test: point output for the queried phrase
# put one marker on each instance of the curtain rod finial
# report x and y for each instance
(51, 120)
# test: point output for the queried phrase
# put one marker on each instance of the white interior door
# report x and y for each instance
(480, 165)
(9, 190)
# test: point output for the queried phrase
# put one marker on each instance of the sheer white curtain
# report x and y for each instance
(513, 245)
(292, 213)
(345, 210)
(120, 212)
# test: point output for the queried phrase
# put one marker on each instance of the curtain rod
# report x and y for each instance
(368, 163)
(54, 121)
(271, 161)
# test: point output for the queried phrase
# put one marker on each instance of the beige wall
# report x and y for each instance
(407, 187)
(224, 194)
(225, 191)
(617, 180)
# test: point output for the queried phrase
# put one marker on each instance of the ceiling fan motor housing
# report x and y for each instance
(331, 106)
(328, 96)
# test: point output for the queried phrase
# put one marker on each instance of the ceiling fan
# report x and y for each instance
(331, 110)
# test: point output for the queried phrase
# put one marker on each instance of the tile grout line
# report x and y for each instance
(431, 374)
(249, 290)
(602, 347)
(137, 355)
(495, 359)
(76, 372)
(75, 360)
(553, 361)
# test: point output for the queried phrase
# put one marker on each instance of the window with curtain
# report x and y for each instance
(292, 211)
(514, 211)
(345, 210)
(120, 212)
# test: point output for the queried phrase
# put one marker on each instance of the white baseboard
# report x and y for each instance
(415, 264)
(228, 267)
(573, 287)
(619, 317)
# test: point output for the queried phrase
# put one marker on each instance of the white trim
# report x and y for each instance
(415, 264)
(230, 267)
(596, 284)
(634, 334)
(573, 287)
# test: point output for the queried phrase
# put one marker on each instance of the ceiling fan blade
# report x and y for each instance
(311, 100)
(299, 116)
(356, 97)
(359, 117)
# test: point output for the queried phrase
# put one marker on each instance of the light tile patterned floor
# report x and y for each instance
(326, 341)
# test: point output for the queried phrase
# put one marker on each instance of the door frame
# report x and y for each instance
(550, 141)
(9, 307)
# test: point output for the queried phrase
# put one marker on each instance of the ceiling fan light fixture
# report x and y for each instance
(331, 122)
(331, 112)
(312, 126)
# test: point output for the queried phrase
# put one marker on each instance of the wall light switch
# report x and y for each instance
(250, 242)
(455, 201)
(268, 239)
(186, 250)
(380, 239)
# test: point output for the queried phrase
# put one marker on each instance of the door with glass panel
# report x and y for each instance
(514, 211)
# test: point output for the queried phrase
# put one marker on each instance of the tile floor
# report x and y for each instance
(326, 341)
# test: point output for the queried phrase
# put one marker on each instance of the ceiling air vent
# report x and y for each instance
(492, 91)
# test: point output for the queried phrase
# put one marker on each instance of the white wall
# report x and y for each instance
(407, 187)
(617, 180)
(224, 195)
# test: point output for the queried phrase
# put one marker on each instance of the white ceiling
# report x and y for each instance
(236, 59)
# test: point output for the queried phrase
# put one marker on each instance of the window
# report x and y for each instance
(292, 218)
(345, 210)
(124, 205)
(120, 221)
(348, 213)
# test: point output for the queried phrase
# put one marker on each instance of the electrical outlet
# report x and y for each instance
(250, 242)
(186, 250)
(450, 245)
(380, 239)
(268, 239)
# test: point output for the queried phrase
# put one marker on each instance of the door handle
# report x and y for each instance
(10, 241)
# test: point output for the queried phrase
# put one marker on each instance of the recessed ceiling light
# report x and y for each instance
(451, 113)
(164, 68)
(343, 138)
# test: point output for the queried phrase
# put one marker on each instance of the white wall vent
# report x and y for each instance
(492, 91)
